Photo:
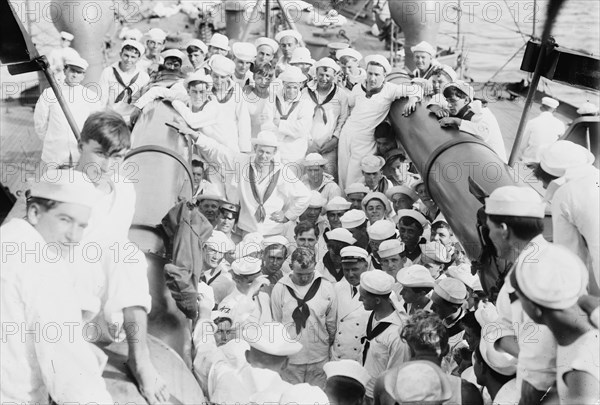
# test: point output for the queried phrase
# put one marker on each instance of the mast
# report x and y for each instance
(268, 18)
(534, 18)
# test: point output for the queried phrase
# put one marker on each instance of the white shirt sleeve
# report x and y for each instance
(195, 120)
(244, 126)
(70, 369)
(41, 114)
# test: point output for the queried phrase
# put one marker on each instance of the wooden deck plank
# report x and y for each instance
(20, 147)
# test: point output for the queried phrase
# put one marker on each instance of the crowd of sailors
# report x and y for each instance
(326, 273)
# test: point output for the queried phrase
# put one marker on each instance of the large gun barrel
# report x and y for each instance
(446, 159)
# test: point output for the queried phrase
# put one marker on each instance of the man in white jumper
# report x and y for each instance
(247, 303)
(36, 296)
(50, 123)
(306, 303)
(515, 220)
(575, 202)
(330, 106)
(541, 132)
(269, 195)
(122, 81)
(383, 347)
(369, 105)
(291, 118)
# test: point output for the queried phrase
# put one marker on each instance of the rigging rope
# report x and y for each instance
(516, 23)
(507, 62)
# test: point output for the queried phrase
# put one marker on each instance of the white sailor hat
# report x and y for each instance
(436, 251)
(156, 34)
(220, 242)
(275, 240)
(244, 51)
(219, 41)
(414, 214)
(253, 237)
(292, 74)
(347, 368)
(381, 60)
(245, 266)
(451, 290)
(390, 247)
(66, 186)
(222, 65)
(499, 361)
(340, 235)
(299, 394)
(316, 200)
(288, 33)
(337, 46)
(67, 35)
(563, 155)
(407, 191)
(268, 42)
(451, 73)
(314, 159)
(272, 338)
(377, 282)
(555, 280)
(394, 153)
(417, 382)
(328, 63)
(515, 202)
(415, 276)
(198, 76)
(377, 196)
(210, 192)
(381, 230)
(485, 313)
(221, 316)
(302, 55)
(173, 53)
(372, 164)
(198, 44)
(462, 86)
(135, 44)
(356, 188)
(77, 61)
(134, 34)
(424, 46)
(417, 183)
(354, 254)
(463, 273)
(550, 102)
(353, 219)
(588, 109)
(338, 204)
(266, 138)
(351, 52)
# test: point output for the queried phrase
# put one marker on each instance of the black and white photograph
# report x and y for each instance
(299, 202)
